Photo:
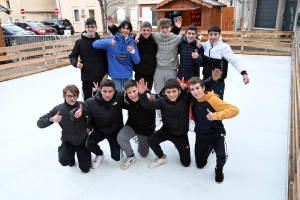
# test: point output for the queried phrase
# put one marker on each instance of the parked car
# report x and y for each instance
(37, 27)
(11, 29)
(60, 25)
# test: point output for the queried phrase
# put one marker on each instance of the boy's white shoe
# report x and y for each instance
(97, 161)
(128, 162)
(135, 139)
(191, 125)
(157, 162)
(158, 120)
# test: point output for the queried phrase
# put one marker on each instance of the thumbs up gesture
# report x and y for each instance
(78, 113)
(113, 42)
(57, 117)
(79, 64)
(195, 54)
(130, 48)
(210, 116)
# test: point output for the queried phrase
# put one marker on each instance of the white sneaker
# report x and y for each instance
(128, 162)
(135, 139)
(192, 126)
(97, 161)
(157, 162)
(158, 120)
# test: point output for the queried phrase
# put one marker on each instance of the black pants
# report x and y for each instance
(87, 89)
(201, 151)
(181, 143)
(66, 153)
(95, 137)
(147, 78)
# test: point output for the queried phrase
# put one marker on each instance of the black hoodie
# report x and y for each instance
(94, 60)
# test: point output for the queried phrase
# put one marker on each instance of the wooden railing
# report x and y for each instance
(243, 42)
(294, 159)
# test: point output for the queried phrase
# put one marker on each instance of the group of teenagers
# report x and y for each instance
(181, 96)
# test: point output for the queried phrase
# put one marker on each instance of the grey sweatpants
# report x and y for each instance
(125, 134)
(160, 77)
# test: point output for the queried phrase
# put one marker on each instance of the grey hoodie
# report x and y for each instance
(167, 50)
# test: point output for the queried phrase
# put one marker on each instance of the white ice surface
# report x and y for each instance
(257, 142)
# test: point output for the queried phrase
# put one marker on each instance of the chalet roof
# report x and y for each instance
(206, 3)
(3, 9)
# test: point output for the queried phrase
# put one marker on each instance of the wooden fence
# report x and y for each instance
(243, 42)
(294, 159)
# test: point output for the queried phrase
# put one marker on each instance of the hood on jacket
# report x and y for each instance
(84, 35)
(185, 39)
(207, 96)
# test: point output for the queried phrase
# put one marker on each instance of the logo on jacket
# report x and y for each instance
(121, 56)
(115, 103)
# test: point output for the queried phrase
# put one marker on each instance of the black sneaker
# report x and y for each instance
(72, 162)
(219, 176)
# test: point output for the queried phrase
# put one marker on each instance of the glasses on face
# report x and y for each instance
(90, 27)
(72, 96)
(164, 27)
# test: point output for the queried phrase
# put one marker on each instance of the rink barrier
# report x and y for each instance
(294, 140)
(25, 58)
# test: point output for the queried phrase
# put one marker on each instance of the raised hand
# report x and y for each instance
(95, 88)
(210, 116)
(216, 74)
(57, 117)
(182, 84)
(137, 39)
(113, 41)
(105, 77)
(79, 64)
(178, 22)
(78, 113)
(198, 43)
(246, 79)
(141, 86)
(130, 48)
(110, 21)
(195, 54)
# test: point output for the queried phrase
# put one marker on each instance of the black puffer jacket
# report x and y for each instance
(94, 60)
(73, 133)
(106, 115)
(175, 115)
(189, 67)
(140, 119)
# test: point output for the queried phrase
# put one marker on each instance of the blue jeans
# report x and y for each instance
(219, 89)
(120, 82)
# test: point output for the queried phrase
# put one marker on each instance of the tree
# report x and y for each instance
(105, 5)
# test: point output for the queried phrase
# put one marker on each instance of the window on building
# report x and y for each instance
(76, 15)
(120, 14)
(90, 12)
(154, 18)
(7, 4)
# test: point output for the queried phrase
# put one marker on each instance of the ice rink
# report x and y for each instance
(257, 142)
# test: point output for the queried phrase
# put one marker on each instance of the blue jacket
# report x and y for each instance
(120, 61)
(189, 67)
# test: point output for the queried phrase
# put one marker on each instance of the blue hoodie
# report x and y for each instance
(120, 61)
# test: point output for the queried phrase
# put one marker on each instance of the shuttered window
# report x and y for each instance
(266, 12)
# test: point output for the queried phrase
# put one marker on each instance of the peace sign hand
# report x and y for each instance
(110, 21)
(95, 88)
(182, 84)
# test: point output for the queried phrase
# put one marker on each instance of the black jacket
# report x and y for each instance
(94, 60)
(189, 67)
(73, 133)
(148, 50)
(214, 63)
(106, 115)
(140, 119)
(175, 115)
